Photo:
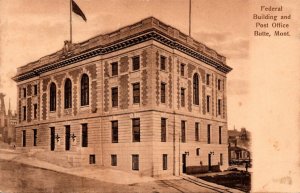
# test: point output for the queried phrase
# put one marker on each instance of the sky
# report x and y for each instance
(31, 29)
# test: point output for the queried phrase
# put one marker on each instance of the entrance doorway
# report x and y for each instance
(52, 138)
(183, 163)
(67, 139)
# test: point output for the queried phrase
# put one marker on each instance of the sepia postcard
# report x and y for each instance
(149, 96)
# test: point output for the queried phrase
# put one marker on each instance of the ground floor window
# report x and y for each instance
(165, 161)
(221, 159)
(24, 138)
(34, 136)
(92, 159)
(114, 161)
(135, 162)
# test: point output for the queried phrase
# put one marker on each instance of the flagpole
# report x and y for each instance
(190, 13)
(70, 21)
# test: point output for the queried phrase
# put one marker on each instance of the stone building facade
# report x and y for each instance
(145, 98)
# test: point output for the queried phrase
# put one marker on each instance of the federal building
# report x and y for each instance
(146, 99)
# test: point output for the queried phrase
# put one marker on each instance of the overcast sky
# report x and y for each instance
(31, 29)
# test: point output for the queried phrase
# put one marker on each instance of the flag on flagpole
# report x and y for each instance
(77, 10)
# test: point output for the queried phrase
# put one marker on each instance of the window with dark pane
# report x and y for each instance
(84, 90)
(35, 111)
(219, 106)
(183, 131)
(208, 133)
(84, 135)
(114, 161)
(136, 92)
(24, 138)
(114, 96)
(207, 103)
(165, 161)
(163, 92)
(196, 89)
(34, 137)
(52, 97)
(24, 113)
(135, 63)
(114, 131)
(68, 94)
(182, 97)
(35, 89)
(163, 129)
(162, 62)
(182, 66)
(196, 131)
(136, 130)
(114, 68)
(220, 135)
(135, 162)
(207, 79)
(24, 93)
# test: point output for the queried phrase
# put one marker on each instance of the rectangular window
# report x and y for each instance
(162, 63)
(219, 106)
(24, 138)
(114, 68)
(165, 161)
(135, 162)
(114, 131)
(34, 136)
(52, 138)
(136, 92)
(207, 79)
(24, 113)
(219, 84)
(92, 159)
(135, 63)
(67, 137)
(183, 131)
(84, 135)
(220, 135)
(182, 97)
(208, 134)
(221, 159)
(114, 161)
(24, 92)
(35, 111)
(136, 130)
(196, 131)
(208, 103)
(163, 129)
(182, 69)
(198, 151)
(114, 96)
(35, 90)
(163, 92)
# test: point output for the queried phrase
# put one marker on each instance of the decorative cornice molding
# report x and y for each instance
(131, 41)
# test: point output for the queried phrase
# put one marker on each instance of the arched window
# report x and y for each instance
(84, 90)
(68, 94)
(196, 89)
(52, 97)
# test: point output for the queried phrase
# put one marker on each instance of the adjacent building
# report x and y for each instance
(146, 98)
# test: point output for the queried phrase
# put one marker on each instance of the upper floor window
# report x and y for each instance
(24, 92)
(182, 97)
(35, 89)
(35, 111)
(162, 63)
(24, 113)
(114, 131)
(219, 84)
(196, 89)
(84, 90)
(136, 92)
(220, 135)
(207, 79)
(219, 106)
(163, 92)
(68, 94)
(207, 103)
(182, 66)
(163, 129)
(52, 97)
(136, 130)
(114, 96)
(183, 131)
(114, 68)
(196, 131)
(135, 63)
